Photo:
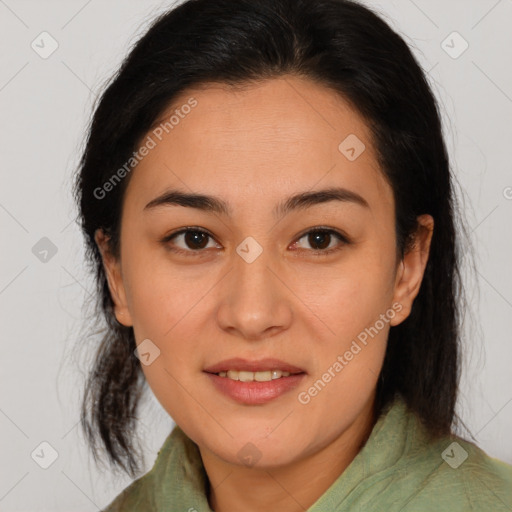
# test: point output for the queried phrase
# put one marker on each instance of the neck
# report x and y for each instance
(291, 488)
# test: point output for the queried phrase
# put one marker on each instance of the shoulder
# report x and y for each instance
(140, 494)
(134, 497)
(484, 481)
(176, 478)
(454, 474)
(421, 473)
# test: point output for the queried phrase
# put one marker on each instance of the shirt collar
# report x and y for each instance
(179, 461)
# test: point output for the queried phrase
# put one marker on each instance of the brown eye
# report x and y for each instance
(189, 240)
(323, 240)
(319, 239)
(196, 239)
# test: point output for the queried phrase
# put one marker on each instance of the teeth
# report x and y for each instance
(244, 376)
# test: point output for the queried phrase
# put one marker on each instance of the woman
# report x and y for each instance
(266, 199)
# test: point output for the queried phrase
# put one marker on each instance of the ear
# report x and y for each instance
(113, 273)
(412, 267)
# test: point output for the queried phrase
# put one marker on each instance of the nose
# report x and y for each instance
(255, 302)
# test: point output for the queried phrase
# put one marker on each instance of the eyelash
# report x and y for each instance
(315, 252)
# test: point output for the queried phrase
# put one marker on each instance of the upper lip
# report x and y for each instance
(240, 364)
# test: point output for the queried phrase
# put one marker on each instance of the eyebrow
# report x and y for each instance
(298, 201)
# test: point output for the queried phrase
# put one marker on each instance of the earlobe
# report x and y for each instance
(112, 268)
(412, 268)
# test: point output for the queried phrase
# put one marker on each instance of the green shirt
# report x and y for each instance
(396, 470)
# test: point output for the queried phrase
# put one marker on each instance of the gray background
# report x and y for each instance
(45, 105)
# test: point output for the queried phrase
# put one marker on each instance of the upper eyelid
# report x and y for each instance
(183, 231)
(334, 231)
(191, 228)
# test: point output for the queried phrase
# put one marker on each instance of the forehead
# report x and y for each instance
(260, 141)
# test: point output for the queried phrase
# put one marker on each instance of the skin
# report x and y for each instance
(253, 148)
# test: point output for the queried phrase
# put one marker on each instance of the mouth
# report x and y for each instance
(262, 376)
(255, 388)
(254, 382)
(244, 370)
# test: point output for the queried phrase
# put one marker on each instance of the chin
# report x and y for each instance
(259, 453)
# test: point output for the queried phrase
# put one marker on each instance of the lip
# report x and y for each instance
(255, 393)
(241, 364)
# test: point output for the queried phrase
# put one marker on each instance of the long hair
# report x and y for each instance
(353, 51)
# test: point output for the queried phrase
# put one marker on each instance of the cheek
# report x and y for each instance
(172, 389)
(348, 296)
(355, 309)
(162, 295)
(168, 306)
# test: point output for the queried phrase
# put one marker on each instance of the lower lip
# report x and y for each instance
(255, 393)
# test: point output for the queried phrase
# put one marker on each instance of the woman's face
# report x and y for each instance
(250, 281)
